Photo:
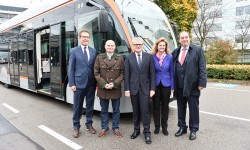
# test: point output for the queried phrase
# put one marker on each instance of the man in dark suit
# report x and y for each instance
(140, 86)
(190, 78)
(82, 82)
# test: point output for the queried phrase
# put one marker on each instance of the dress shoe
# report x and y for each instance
(134, 135)
(148, 139)
(118, 133)
(76, 133)
(180, 132)
(157, 130)
(192, 135)
(91, 130)
(165, 132)
(102, 133)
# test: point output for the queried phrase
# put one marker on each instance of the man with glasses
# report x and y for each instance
(140, 86)
(82, 82)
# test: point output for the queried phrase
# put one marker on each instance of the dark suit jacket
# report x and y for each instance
(165, 73)
(81, 72)
(135, 76)
(195, 74)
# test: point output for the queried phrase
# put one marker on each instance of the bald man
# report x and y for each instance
(108, 71)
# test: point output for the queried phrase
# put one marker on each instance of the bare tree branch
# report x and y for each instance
(205, 21)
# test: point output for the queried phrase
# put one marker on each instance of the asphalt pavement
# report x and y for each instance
(32, 121)
(12, 139)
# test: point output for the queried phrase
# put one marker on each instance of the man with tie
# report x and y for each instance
(82, 82)
(140, 86)
(190, 78)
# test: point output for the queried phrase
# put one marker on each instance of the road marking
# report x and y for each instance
(10, 108)
(225, 85)
(229, 89)
(220, 115)
(60, 137)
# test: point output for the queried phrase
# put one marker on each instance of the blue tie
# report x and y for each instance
(139, 60)
(85, 54)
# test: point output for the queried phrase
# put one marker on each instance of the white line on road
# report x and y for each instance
(10, 108)
(60, 137)
(229, 89)
(220, 115)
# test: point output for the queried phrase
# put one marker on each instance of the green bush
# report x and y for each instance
(235, 72)
(221, 52)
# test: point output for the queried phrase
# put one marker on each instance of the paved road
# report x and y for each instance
(225, 123)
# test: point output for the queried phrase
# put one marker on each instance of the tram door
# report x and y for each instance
(55, 60)
(14, 62)
(48, 46)
(43, 61)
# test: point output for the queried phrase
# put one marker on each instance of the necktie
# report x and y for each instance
(139, 60)
(183, 55)
(85, 54)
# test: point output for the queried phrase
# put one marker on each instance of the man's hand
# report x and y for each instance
(111, 85)
(73, 88)
(107, 86)
(200, 88)
(152, 93)
(127, 93)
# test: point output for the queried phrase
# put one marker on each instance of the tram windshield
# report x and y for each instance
(146, 20)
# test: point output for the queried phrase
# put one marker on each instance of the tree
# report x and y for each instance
(183, 12)
(242, 28)
(221, 52)
(204, 23)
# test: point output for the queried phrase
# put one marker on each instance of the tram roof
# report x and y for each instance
(32, 12)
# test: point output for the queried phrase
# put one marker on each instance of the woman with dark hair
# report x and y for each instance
(164, 75)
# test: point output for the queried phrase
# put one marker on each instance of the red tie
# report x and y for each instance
(183, 55)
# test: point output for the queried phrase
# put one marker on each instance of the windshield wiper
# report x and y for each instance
(132, 27)
(147, 45)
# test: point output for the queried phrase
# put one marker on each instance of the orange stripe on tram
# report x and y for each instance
(23, 77)
(113, 6)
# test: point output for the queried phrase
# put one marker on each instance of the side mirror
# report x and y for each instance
(103, 22)
(175, 29)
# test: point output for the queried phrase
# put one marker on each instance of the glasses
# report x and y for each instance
(137, 44)
(85, 37)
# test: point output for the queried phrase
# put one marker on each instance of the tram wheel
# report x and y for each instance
(6, 85)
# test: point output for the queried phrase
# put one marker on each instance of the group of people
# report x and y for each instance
(146, 76)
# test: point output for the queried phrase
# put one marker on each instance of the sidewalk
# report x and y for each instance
(12, 139)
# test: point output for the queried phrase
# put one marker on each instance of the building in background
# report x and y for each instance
(227, 20)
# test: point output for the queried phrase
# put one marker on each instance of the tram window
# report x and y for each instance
(30, 45)
(69, 37)
(22, 57)
(98, 39)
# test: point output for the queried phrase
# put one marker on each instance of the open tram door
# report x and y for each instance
(49, 61)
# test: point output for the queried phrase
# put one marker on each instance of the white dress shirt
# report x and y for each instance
(181, 51)
(87, 50)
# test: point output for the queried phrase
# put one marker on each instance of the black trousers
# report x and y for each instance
(193, 104)
(161, 106)
(140, 104)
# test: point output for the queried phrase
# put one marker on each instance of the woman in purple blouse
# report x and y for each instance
(164, 74)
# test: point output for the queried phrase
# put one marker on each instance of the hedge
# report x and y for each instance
(235, 72)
